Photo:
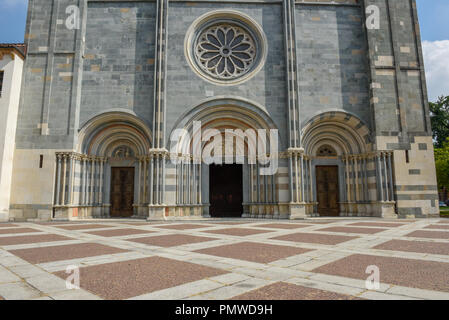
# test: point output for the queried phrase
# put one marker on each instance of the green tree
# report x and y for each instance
(439, 116)
(442, 164)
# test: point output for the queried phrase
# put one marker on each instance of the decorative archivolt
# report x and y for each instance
(106, 133)
(230, 118)
(347, 134)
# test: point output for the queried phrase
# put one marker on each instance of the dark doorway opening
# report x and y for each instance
(327, 191)
(226, 190)
(122, 192)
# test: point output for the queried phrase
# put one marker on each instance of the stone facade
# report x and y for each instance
(114, 89)
(11, 66)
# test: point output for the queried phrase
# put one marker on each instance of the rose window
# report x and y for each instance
(225, 51)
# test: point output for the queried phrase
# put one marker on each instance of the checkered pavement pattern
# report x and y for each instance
(225, 259)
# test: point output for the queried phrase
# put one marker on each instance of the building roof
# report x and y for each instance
(19, 48)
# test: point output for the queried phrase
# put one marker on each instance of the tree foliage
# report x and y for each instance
(442, 164)
(439, 115)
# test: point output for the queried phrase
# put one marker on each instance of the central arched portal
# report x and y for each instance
(218, 166)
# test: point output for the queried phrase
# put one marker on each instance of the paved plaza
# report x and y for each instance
(226, 259)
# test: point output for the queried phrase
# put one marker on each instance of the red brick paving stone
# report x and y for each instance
(65, 252)
(353, 230)
(415, 246)
(7, 225)
(429, 275)
(183, 226)
(377, 224)
(118, 232)
(438, 226)
(289, 291)
(444, 221)
(254, 252)
(429, 234)
(84, 226)
(241, 232)
(18, 230)
(315, 238)
(171, 240)
(126, 279)
(283, 225)
(15, 240)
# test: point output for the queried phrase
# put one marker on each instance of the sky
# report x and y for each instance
(433, 17)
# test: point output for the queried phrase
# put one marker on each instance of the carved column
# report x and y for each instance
(58, 180)
(64, 176)
(100, 191)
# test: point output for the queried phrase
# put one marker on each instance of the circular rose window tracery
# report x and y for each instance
(225, 47)
(225, 51)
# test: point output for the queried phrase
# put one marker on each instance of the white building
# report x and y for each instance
(12, 57)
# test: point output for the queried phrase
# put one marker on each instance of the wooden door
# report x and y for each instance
(122, 192)
(226, 190)
(327, 190)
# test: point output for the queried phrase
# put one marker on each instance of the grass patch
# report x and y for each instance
(444, 212)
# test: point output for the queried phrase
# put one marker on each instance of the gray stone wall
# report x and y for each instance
(399, 97)
(185, 89)
(333, 70)
(47, 111)
(118, 68)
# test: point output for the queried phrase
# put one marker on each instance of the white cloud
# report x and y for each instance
(436, 60)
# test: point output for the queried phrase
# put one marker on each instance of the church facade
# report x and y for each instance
(109, 86)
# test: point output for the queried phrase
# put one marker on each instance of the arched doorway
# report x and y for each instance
(342, 165)
(104, 177)
(228, 183)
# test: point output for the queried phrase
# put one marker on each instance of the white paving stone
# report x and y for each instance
(419, 293)
(326, 286)
(346, 281)
(26, 271)
(74, 295)
(7, 276)
(182, 291)
(228, 292)
(12, 261)
(47, 283)
(374, 295)
(18, 291)
(230, 278)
